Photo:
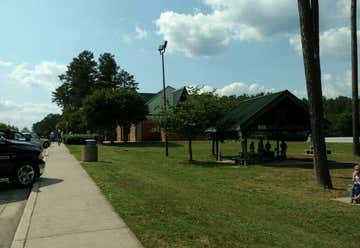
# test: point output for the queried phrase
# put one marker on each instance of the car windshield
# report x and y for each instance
(34, 135)
(19, 137)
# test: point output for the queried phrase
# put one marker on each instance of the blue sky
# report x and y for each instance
(235, 46)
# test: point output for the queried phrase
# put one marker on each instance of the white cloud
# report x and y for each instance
(202, 34)
(127, 39)
(236, 88)
(239, 88)
(206, 34)
(5, 63)
(44, 74)
(334, 43)
(339, 85)
(24, 114)
(140, 33)
(332, 85)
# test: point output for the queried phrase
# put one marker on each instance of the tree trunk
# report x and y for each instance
(190, 151)
(126, 131)
(355, 94)
(309, 26)
(217, 149)
(213, 146)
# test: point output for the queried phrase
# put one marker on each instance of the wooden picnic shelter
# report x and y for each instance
(276, 116)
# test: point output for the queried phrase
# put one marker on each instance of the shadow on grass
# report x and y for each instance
(201, 163)
(304, 163)
(300, 163)
(144, 144)
(105, 162)
(346, 178)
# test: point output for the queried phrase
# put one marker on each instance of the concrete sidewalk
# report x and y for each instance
(66, 209)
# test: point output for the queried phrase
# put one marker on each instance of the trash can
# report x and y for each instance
(90, 151)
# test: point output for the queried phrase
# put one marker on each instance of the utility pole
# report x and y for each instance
(162, 49)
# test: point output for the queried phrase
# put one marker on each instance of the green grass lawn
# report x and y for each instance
(170, 203)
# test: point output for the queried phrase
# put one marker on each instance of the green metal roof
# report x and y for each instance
(248, 110)
(173, 96)
(147, 96)
(176, 95)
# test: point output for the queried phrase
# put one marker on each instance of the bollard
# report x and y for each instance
(90, 151)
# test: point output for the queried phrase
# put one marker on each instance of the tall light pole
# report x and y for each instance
(161, 49)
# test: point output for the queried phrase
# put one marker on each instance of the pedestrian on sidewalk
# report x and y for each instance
(59, 137)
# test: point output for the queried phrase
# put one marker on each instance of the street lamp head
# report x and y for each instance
(162, 47)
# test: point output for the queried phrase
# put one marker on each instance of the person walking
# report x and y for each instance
(59, 137)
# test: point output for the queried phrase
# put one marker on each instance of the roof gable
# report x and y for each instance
(173, 96)
(250, 110)
(148, 96)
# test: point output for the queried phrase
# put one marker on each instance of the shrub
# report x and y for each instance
(78, 139)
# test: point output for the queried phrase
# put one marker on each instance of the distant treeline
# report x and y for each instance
(4, 126)
(339, 112)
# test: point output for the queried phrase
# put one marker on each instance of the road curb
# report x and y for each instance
(23, 227)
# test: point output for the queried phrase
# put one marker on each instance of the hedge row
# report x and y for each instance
(78, 139)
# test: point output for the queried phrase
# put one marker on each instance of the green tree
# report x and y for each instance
(46, 125)
(25, 130)
(126, 80)
(4, 126)
(106, 109)
(187, 119)
(72, 121)
(78, 81)
(108, 72)
(215, 109)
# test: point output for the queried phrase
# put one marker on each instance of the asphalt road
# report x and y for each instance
(12, 203)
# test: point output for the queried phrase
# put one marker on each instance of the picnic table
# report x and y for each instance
(311, 151)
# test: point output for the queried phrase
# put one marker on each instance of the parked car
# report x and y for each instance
(18, 136)
(21, 162)
(36, 139)
(13, 135)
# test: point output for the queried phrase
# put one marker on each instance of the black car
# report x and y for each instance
(21, 162)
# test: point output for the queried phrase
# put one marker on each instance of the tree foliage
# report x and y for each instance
(187, 119)
(83, 77)
(106, 109)
(78, 81)
(25, 130)
(4, 126)
(46, 125)
(72, 121)
(126, 80)
(338, 112)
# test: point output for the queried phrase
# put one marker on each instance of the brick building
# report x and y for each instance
(148, 130)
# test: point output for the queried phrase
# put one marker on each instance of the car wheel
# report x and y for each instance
(24, 175)
(46, 145)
